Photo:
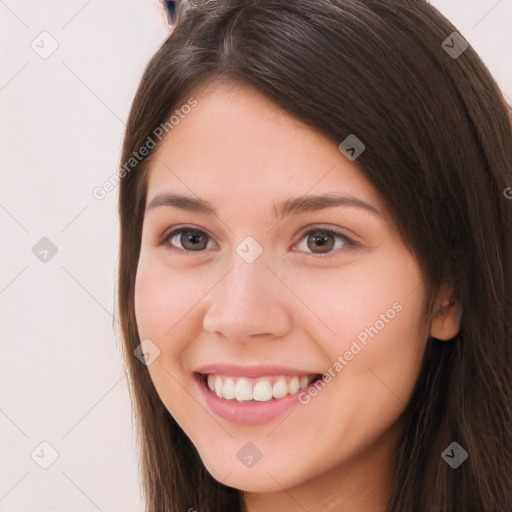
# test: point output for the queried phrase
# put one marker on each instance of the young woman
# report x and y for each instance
(315, 263)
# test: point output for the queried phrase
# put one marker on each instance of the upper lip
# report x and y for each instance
(250, 371)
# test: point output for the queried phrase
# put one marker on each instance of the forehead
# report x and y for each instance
(238, 144)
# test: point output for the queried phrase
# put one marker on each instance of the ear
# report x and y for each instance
(446, 322)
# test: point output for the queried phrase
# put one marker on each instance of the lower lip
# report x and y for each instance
(246, 413)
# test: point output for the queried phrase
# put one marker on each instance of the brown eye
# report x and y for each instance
(322, 241)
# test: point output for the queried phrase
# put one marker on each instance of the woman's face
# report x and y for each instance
(247, 292)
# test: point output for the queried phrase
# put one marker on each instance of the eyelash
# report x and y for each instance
(350, 243)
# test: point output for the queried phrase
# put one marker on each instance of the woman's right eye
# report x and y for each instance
(190, 240)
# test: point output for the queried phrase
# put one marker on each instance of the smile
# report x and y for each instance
(263, 389)
(250, 402)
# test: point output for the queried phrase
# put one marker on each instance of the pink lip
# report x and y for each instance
(250, 371)
(250, 413)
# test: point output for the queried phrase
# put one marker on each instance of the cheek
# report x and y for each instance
(343, 303)
(167, 306)
(153, 302)
(375, 358)
(163, 301)
(160, 296)
(368, 314)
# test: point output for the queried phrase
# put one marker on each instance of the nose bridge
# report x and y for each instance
(247, 301)
(250, 282)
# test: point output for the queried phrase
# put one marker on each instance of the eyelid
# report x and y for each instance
(330, 228)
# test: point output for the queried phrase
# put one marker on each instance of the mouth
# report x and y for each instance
(252, 395)
(271, 388)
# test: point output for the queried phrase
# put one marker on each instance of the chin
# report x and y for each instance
(255, 479)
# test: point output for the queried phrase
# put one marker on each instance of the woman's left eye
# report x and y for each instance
(195, 240)
(321, 238)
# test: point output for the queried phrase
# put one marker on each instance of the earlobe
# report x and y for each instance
(446, 322)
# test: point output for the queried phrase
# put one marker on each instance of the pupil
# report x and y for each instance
(321, 240)
(190, 236)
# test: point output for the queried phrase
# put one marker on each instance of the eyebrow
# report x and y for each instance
(292, 205)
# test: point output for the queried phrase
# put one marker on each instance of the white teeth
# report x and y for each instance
(218, 386)
(280, 389)
(262, 391)
(211, 382)
(229, 389)
(293, 385)
(242, 389)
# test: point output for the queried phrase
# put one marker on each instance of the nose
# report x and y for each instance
(248, 302)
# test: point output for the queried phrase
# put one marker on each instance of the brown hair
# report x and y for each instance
(438, 140)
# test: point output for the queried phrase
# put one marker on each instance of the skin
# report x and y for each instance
(241, 152)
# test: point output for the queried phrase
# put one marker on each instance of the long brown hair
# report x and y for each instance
(438, 142)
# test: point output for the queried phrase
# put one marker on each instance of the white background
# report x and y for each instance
(61, 127)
